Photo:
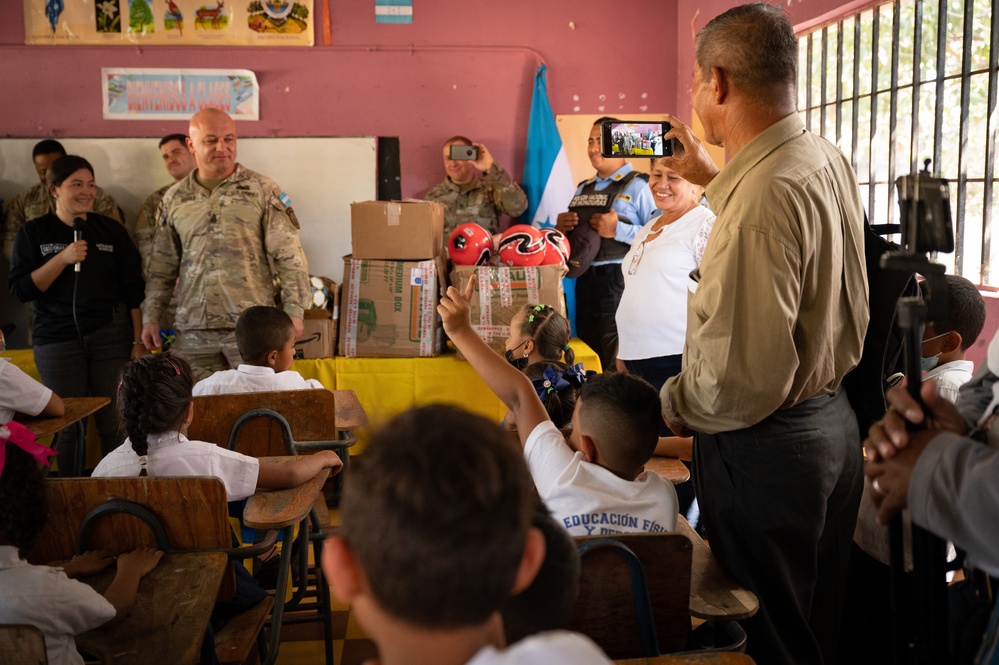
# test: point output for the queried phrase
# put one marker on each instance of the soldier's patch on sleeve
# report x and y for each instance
(282, 202)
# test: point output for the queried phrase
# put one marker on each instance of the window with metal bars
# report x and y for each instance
(907, 81)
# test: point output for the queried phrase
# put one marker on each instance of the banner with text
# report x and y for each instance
(177, 94)
(171, 22)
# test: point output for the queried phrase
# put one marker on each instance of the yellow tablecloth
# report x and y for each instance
(385, 387)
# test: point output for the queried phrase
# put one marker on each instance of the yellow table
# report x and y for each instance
(385, 387)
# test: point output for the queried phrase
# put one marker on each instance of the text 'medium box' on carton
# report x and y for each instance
(501, 292)
(389, 308)
(400, 230)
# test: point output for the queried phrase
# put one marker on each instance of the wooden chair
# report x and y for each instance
(266, 424)
(22, 645)
(634, 592)
(185, 514)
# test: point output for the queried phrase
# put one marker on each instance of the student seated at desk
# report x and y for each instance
(595, 484)
(44, 596)
(155, 407)
(265, 337)
(436, 537)
(19, 393)
(538, 333)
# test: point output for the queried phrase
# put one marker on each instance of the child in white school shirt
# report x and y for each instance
(265, 337)
(19, 393)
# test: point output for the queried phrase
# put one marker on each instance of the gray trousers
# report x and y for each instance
(779, 500)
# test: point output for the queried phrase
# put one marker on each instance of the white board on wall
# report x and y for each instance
(323, 176)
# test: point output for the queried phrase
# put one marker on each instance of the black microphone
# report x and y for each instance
(77, 236)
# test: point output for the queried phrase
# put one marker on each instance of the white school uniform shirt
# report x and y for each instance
(173, 454)
(589, 500)
(44, 597)
(950, 377)
(253, 379)
(558, 647)
(19, 393)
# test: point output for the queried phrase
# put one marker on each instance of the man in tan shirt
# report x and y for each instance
(776, 317)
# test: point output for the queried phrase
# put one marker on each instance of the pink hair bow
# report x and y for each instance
(23, 438)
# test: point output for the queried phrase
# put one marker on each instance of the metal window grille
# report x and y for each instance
(905, 81)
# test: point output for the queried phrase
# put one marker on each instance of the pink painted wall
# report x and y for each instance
(463, 67)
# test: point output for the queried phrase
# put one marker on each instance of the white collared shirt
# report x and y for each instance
(19, 393)
(44, 597)
(173, 454)
(253, 379)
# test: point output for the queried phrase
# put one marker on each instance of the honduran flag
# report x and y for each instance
(547, 178)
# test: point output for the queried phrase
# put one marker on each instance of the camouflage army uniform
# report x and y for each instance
(142, 236)
(34, 202)
(220, 248)
(480, 201)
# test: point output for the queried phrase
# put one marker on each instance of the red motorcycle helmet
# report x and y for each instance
(470, 245)
(522, 245)
(556, 248)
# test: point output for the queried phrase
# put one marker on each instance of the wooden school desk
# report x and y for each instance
(714, 595)
(669, 468)
(77, 408)
(170, 615)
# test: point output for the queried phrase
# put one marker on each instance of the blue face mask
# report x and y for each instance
(928, 363)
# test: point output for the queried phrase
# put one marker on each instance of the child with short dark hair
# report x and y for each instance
(596, 483)
(436, 537)
(265, 337)
(539, 332)
(155, 406)
(44, 596)
(945, 343)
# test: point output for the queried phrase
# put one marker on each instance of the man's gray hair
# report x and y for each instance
(755, 45)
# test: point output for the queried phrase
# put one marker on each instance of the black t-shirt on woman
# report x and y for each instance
(111, 275)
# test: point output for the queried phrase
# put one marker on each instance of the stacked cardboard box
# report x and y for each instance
(392, 280)
(321, 325)
(500, 292)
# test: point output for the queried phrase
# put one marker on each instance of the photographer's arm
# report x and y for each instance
(690, 158)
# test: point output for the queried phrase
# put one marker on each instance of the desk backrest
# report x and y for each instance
(311, 414)
(605, 606)
(22, 645)
(191, 509)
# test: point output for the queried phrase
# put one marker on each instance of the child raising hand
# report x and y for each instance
(596, 483)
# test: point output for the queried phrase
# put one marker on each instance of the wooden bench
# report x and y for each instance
(192, 514)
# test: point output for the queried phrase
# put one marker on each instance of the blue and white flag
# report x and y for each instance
(547, 178)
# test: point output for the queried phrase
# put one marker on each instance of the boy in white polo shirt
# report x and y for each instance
(265, 338)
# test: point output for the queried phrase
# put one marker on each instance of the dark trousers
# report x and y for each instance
(598, 293)
(780, 502)
(88, 367)
(656, 371)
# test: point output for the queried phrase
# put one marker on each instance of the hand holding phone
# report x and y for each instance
(464, 152)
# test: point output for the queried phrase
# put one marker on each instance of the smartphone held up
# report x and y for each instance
(635, 138)
(464, 152)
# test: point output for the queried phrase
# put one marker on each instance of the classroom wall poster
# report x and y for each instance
(177, 94)
(169, 22)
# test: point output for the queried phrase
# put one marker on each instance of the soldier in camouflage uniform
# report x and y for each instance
(220, 232)
(34, 202)
(179, 161)
(476, 191)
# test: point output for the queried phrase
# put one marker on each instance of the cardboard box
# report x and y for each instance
(501, 292)
(389, 308)
(397, 230)
(321, 326)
